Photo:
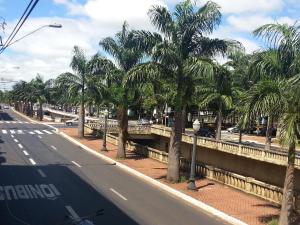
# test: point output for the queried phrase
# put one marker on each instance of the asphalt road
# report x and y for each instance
(44, 179)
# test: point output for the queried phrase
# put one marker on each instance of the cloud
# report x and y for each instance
(248, 6)
(252, 22)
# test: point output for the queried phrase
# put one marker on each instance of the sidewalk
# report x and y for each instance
(247, 208)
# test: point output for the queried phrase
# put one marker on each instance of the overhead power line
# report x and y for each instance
(20, 23)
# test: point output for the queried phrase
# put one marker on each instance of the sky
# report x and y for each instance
(86, 22)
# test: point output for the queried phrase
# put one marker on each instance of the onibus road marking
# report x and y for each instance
(25, 152)
(28, 191)
(32, 161)
(72, 212)
(41, 173)
(76, 163)
(117, 193)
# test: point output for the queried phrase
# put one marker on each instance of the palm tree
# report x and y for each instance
(181, 58)
(127, 53)
(281, 61)
(289, 137)
(39, 90)
(217, 91)
(80, 83)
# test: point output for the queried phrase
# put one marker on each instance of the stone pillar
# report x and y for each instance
(248, 186)
(210, 172)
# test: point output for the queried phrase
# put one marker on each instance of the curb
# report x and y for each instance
(156, 183)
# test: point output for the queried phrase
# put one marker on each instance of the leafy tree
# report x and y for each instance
(127, 53)
(180, 57)
(80, 84)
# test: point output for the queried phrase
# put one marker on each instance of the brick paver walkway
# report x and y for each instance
(247, 208)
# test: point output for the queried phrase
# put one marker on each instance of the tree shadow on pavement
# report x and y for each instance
(72, 189)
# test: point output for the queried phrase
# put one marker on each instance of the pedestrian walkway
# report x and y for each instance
(15, 131)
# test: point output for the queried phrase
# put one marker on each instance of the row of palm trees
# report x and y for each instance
(176, 65)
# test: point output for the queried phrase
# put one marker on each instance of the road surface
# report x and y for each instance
(44, 179)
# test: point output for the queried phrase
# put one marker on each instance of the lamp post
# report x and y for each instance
(191, 184)
(105, 131)
(48, 25)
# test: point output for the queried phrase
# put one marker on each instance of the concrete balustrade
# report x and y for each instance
(275, 157)
(247, 184)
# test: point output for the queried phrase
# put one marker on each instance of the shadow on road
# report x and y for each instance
(26, 195)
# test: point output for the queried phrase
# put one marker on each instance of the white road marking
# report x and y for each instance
(26, 122)
(72, 212)
(12, 136)
(7, 121)
(39, 136)
(53, 147)
(4, 131)
(20, 132)
(32, 161)
(1, 121)
(14, 122)
(41, 173)
(20, 146)
(38, 132)
(12, 131)
(31, 132)
(76, 163)
(117, 193)
(25, 152)
(20, 122)
(46, 131)
(16, 140)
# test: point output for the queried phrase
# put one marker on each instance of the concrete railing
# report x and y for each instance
(246, 184)
(271, 156)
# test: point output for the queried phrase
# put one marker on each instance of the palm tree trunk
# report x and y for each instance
(287, 204)
(123, 131)
(31, 109)
(41, 111)
(219, 125)
(269, 133)
(240, 136)
(174, 149)
(81, 120)
(184, 118)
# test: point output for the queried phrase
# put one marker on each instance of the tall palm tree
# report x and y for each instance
(180, 57)
(281, 61)
(127, 53)
(80, 83)
(39, 90)
(289, 137)
(217, 90)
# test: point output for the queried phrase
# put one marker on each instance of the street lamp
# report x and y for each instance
(191, 184)
(105, 131)
(48, 25)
